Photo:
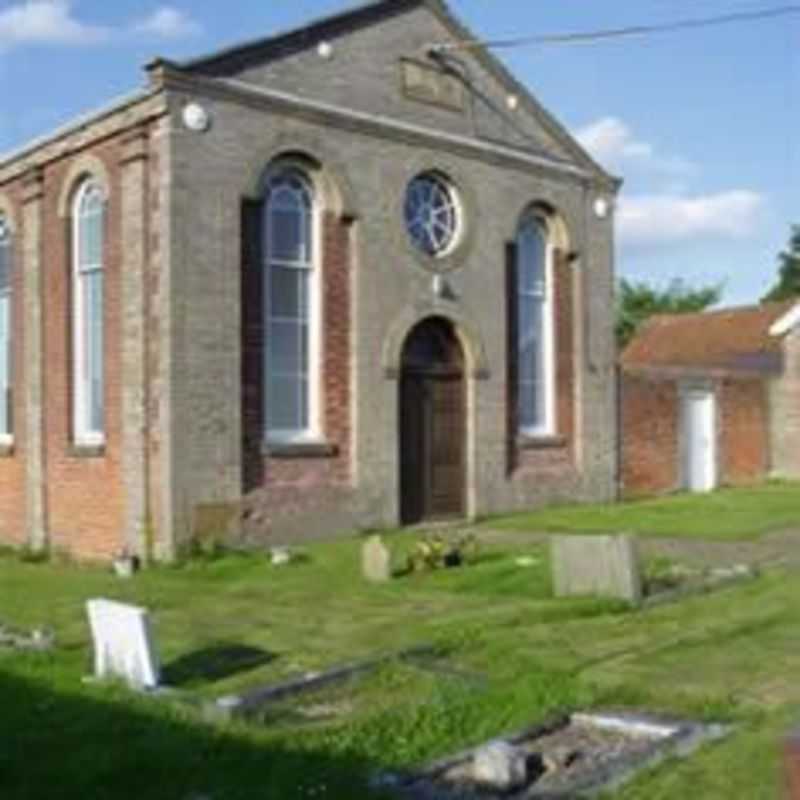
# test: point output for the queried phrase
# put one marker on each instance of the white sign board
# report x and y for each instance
(123, 644)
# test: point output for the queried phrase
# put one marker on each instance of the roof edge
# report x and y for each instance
(503, 75)
(76, 124)
(787, 323)
(347, 16)
(306, 35)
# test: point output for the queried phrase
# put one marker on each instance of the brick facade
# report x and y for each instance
(553, 460)
(744, 431)
(649, 435)
(70, 498)
(79, 517)
(280, 486)
(12, 458)
(650, 431)
(185, 452)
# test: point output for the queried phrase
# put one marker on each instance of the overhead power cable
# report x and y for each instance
(618, 33)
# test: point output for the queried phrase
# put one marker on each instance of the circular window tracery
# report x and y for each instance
(432, 214)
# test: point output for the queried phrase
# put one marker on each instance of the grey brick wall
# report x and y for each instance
(366, 165)
(212, 172)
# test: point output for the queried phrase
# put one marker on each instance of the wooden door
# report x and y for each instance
(432, 425)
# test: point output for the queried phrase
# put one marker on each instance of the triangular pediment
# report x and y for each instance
(379, 59)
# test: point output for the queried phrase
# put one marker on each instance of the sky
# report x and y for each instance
(704, 125)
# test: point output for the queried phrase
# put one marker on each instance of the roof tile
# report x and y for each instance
(734, 339)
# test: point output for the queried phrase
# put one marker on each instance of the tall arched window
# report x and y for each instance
(535, 368)
(292, 314)
(87, 314)
(6, 382)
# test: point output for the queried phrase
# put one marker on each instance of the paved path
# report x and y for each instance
(782, 547)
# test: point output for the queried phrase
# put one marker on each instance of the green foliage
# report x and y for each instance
(436, 552)
(788, 284)
(637, 302)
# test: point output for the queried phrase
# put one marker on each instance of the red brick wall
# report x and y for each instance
(294, 485)
(12, 463)
(744, 431)
(649, 433)
(84, 495)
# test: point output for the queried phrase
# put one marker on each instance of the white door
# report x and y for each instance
(699, 441)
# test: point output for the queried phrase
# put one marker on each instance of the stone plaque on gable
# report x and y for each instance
(123, 644)
(431, 85)
(376, 560)
(605, 566)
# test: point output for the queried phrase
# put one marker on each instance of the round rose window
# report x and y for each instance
(432, 214)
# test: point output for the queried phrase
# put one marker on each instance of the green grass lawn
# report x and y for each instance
(510, 655)
(725, 514)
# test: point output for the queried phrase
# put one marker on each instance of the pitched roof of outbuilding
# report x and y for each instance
(731, 339)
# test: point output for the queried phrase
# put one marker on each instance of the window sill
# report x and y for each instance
(311, 449)
(553, 442)
(6, 448)
(87, 450)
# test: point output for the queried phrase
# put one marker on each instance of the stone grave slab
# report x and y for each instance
(123, 644)
(576, 755)
(604, 566)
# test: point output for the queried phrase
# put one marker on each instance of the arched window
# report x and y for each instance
(87, 314)
(535, 368)
(6, 382)
(292, 299)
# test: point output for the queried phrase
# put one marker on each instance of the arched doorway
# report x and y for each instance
(432, 424)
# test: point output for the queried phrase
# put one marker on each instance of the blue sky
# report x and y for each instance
(702, 125)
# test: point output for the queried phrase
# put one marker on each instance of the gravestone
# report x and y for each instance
(123, 644)
(605, 566)
(376, 560)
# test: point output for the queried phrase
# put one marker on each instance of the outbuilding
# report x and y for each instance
(711, 399)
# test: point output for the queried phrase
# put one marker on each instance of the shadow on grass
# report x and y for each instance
(215, 663)
(69, 746)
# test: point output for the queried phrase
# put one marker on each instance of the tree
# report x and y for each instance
(636, 302)
(788, 284)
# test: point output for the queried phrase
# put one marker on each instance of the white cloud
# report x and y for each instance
(660, 219)
(46, 22)
(167, 22)
(613, 144)
(54, 22)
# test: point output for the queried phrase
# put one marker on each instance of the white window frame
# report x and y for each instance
(7, 297)
(313, 432)
(83, 434)
(548, 426)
